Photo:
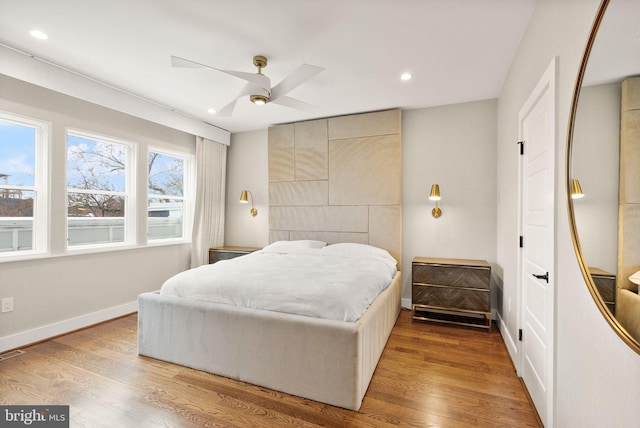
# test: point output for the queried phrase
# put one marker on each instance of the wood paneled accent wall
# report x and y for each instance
(629, 194)
(627, 298)
(338, 180)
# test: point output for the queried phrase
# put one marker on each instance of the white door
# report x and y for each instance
(537, 132)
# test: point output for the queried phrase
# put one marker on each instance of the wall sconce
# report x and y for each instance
(244, 200)
(576, 190)
(435, 196)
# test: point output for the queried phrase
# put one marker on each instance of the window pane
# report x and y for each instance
(17, 154)
(166, 175)
(95, 165)
(16, 203)
(96, 190)
(16, 220)
(165, 218)
(95, 218)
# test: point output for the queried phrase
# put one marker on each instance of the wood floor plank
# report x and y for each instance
(428, 375)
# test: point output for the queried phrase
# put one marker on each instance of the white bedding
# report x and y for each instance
(336, 282)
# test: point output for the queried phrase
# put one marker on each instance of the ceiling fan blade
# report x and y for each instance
(257, 79)
(227, 111)
(296, 104)
(295, 79)
(176, 61)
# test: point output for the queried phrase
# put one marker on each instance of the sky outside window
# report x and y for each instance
(17, 154)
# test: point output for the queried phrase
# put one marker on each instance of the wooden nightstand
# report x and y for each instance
(452, 291)
(228, 252)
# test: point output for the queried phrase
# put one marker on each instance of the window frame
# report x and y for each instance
(129, 194)
(188, 195)
(41, 223)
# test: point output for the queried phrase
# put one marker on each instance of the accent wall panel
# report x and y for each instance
(311, 150)
(365, 171)
(281, 153)
(338, 180)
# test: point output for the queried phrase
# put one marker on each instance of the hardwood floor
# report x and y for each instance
(429, 376)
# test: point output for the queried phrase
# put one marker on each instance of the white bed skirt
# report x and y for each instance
(324, 360)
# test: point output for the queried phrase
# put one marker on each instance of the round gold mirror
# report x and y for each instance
(603, 166)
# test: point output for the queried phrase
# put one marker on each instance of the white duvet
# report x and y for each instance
(337, 282)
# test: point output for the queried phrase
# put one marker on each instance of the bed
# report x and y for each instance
(327, 355)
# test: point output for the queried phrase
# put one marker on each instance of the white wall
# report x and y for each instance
(597, 375)
(56, 294)
(247, 169)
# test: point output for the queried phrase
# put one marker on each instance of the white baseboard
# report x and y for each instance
(509, 341)
(405, 303)
(51, 330)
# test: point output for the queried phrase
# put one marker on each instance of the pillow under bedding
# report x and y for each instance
(291, 246)
(349, 249)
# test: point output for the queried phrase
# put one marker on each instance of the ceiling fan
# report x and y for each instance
(258, 86)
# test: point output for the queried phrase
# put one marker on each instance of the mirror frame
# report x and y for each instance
(613, 322)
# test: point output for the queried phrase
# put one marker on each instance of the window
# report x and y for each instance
(104, 211)
(23, 195)
(166, 199)
(100, 201)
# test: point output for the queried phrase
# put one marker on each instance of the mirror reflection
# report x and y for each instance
(605, 164)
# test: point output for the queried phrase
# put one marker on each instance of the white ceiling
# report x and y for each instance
(457, 50)
(616, 51)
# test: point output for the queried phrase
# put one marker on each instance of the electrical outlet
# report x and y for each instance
(7, 304)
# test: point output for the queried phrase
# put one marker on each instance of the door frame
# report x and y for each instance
(546, 84)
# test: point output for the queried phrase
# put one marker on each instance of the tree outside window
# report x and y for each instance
(166, 173)
(97, 189)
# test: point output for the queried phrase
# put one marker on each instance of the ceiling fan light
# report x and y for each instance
(259, 100)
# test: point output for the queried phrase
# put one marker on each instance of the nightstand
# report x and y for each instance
(228, 252)
(451, 291)
(606, 284)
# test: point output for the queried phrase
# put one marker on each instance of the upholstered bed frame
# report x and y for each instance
(319, 359)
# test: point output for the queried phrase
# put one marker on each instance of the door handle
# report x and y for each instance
(545, 277)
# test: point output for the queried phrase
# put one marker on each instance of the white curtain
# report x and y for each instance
(208, 222)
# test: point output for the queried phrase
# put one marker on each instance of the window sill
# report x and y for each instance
(85, 250)
(20, 256)
(162, 242)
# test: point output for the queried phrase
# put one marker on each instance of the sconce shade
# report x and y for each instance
(243, 197)
(435, 193)
(576, 189)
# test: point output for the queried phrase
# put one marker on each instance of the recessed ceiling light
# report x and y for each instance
(212, 111)
(406, 76)
(39, 34)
